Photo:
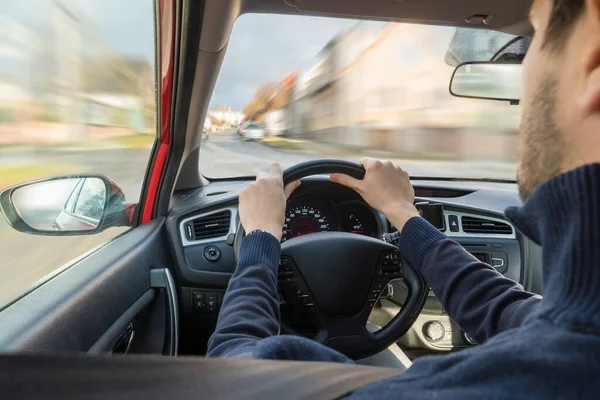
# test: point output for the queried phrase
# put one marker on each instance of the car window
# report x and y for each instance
(77, 96)
(91, 199)
(70, 204)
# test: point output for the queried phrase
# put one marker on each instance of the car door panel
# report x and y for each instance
(89, 305)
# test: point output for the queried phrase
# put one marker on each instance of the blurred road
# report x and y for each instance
(27, 259)
(226, 155)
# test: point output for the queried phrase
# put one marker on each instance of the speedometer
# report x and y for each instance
(303, 220)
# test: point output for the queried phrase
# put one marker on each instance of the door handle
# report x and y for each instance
(124, 342)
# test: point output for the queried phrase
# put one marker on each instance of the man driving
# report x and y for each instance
(530, 346)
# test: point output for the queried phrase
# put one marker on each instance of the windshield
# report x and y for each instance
(335, 88)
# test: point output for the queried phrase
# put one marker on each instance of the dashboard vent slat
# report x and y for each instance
(211, 226)
(485, 226)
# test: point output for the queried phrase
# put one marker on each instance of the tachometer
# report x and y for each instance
(304, 220)
(353, 224)
(356, 217)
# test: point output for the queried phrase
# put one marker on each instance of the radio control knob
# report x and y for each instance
(434, 331)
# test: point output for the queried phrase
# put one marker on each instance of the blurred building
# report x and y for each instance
(226, 116)
(71, 85)
(386, 87)
(119, 92)
(279, 117)
(19, 51)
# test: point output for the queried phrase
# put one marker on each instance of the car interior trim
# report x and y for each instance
(232, 226)
(107, 341)
(162, 279)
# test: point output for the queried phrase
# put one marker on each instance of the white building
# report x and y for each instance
(227, 116)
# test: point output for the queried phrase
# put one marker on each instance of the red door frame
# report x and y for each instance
(166, 42)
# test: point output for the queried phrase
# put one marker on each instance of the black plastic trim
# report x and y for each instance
(107, 341)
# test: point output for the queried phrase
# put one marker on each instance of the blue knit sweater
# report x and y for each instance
(530, 347)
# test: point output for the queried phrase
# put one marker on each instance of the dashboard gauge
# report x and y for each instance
(354, 225)
(357, 218)
(303, 220)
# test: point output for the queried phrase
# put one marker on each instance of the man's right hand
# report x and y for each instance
(386, 188)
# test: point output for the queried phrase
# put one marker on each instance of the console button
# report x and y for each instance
(434, 331)
(453, 222)
(499, 262)
(211, 301)
(199, 301)
(212, 253)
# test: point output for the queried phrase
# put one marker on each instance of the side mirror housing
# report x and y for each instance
(65, 205)
(488, 81)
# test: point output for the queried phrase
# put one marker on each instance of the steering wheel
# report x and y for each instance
(336, 277)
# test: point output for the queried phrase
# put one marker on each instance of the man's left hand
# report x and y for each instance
(262, 202)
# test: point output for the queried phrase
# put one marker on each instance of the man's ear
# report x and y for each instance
(591, 96)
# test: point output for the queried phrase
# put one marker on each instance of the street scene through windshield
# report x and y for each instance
(330, 88)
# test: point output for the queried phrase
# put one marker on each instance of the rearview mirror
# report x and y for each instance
(65, 205)
(488, 80)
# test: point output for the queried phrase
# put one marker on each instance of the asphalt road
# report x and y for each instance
(224, 154)
(28, 259)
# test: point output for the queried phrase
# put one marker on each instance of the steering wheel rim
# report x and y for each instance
(357, 342)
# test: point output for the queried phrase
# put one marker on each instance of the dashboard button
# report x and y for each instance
(199, 301)
(453, 222)
(211, 301)
(448, 337)
(212, 253)
(434, 331)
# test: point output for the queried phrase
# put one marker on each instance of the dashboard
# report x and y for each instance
(202, 224)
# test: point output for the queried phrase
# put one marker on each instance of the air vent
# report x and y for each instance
(485, 226)
(211, 226)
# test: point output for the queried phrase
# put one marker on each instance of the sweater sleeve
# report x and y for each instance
(250, 309)
(478, 298)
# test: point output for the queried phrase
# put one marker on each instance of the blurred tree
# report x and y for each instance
(215, 121)
(262, 102)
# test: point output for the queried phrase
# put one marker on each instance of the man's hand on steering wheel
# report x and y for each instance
(262, 202)
(386, 188)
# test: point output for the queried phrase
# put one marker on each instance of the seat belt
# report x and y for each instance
(140, 377)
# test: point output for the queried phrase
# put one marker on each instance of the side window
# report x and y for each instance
(70, 204)
(91, 200)
(77, 96)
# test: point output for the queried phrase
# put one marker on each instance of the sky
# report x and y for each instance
(266, 48)
(262, 47)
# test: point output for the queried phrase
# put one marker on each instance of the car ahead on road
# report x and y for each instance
(242, 127)
(157, 287)
(254, 131)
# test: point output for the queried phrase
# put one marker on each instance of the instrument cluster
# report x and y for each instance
(314, 212)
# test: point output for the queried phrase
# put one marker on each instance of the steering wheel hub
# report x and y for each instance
(338, 267)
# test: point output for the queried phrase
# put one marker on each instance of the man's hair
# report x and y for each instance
(564, 15)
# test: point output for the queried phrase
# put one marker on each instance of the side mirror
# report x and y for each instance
(488, 80)
(65, 205)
